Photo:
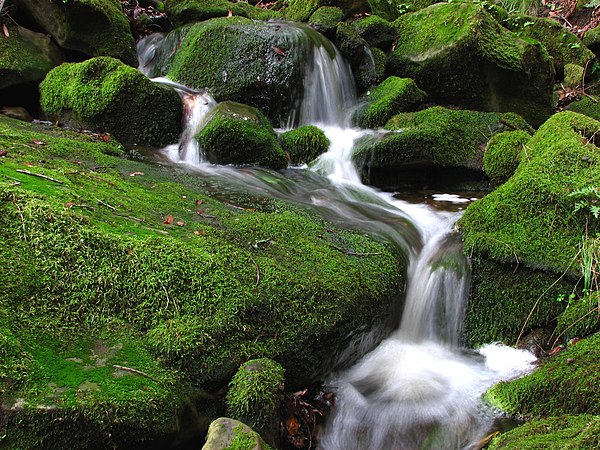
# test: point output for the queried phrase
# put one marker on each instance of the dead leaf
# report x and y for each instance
(230, 13)
(5, 30)
(69, 205)
(279, 51)
(199, 232)
(555, 350)
(180, 224)
(169, 220)
(133, 174)
(38, 142)
(3, 153)
(199, 202)
(292, 426)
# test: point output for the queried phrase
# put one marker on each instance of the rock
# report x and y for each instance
(356, 50)
(26, 57)
(16, 112)
(325, 20)
(188, 11)
(95, 28)
(392, 9)
(105, 95)
(502, 155)
(224, 434)
(304, 144)
(460, 55)
(240, 134)
(301, 10)
(580, 318)
(537, 341)
(377, 31)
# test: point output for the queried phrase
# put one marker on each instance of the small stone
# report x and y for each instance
(570, 360)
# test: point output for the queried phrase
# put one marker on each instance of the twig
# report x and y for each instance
(350, 252)
(257, 270)
(100, 202)
(138, 372)
(27, 172)
(573, 324)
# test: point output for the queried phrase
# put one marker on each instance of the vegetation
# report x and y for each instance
(189, 11)
(304, 144)
(501, 157)
(377, 31)
(326, 18)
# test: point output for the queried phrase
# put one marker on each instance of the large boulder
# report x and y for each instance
(227, 434)
(460, 55)
(527, 229)
(92, 27)
(105, 95)
(235, 133)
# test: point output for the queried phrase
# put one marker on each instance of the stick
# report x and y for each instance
(27, 172)
(138, 372)
(350, 252)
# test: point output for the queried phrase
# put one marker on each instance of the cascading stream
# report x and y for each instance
(417, 389)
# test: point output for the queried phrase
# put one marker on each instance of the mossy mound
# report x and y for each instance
(591, 39)
(301, 10)
(356, 50)
(502, 153)
(377, 31)
(567, 383)
(434, 137)
(394, 95)
(566, 432)
(392, 9)
(225, 433)
(185, 11)
(93, 27)
(562, 45)
(325, 19)
(105, 95)
(460, 55)
(240, 134)
(26, 56)
(587, 106)
(258, 63)
(304, 144)
(580, 318)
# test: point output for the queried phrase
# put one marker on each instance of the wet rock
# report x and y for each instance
(304, 144)
(226, 433)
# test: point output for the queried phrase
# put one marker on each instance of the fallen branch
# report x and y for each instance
(352, 253)
(137, 372)
(39, 175)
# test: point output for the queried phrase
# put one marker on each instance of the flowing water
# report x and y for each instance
(417, 389)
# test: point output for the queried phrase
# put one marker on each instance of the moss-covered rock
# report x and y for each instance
(580, 432)
(591, 39)
(502, 154)
(567, 383)
(301, 10)
(92, 27)
(589, 106)
(185, 11)
(377, 31)
(460, 55)
(356, 50)
(325, 19)
(562, 45)
(392, 9)
(26, 56)
(580, 318)
(240, 134)
(105, 95)
(392, 96)
(304, 144)
(230, 434)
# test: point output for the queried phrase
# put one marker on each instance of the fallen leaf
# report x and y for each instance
(3, 153)
(181, 224)
(5, 30)
(199, 232)
(168, 220)
(69, 205)
(199, 202)
(292, 426)
(279, 51)
(38, 142)
(133, 174)
(555, 350)
(28, 164)
(230, 13)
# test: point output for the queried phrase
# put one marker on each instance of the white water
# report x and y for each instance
(418, 389)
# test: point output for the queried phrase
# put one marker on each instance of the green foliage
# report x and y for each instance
(587, 200)
(304, 144)
(531, 7)
(502, 154)
(580, 318)
(326, 17)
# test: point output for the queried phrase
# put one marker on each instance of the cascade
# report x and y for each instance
(417, 389)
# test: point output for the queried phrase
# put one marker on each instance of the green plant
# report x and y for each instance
(587, 198)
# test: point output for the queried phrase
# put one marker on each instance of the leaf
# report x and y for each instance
(292, 426)
(169, 220)
(5, 30)
(133, 174)
(180, 224)
(38, 142)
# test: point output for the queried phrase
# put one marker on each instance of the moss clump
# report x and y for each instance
(587, 106)
(567, 383)
(326, 18)
(580, 318)
(239, 134)
(185, 11)
(566, 432)
(574, 76)
(255, 391)
(392, 96)
(105, 95)
(301, 10)
(562, 45)
(380, 61)
(377, 31)
(459, 54)
(230, 434)
(304, 144)
(502, 153)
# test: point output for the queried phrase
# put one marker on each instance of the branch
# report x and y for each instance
(39, 175)
(137, 372)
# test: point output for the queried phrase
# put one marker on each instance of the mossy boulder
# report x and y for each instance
(301, 10)
(426, 142)
(394, 95)
(591, 39)
(377, 31)
(589, 106)
(567, 383)
(460, 55)
(26, 57)
(235, 133)
(576, 432)
(325, 19)
(225, 433)
(105, 95)
(92, 27)
(580, 318)
(502, 153)
(93, 268)
(304, 144)
(563, 46)
(356, 50)
(185, 11)
(392, 9)
(258, 63)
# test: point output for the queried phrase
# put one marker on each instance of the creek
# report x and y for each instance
(417, 389)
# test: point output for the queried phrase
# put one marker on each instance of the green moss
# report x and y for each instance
(567, 383)
(356, 50)
(574, 76)
(380, 61)
(254, 392)
(393, 96)
(105, 95)
(587, 106)
(565, 432)
(301, 10)
(304, 144)
(376, 31)
(326, 18)
(580, 318)
(239, 134)
(258, 13)
(186, 11)
(502, 153)
(530, 218)
(243, 440)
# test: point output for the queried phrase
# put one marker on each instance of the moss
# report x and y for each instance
(185, 11)
(392, 96)
(254, 392)
(574, 76)
(580, 318)
(239, 134)
(565, 432)
(301, 10)
(326, 18)
(356, 50)
(392, 9)
(460, 55)
(530, 217)
(105, 95)
(567, 383)
(258, 13)
(587, 106)
(230, 434)
(502, 153)
(563, 46)
(304, 144)
(380, 61)
(377, 31)
(244, 440)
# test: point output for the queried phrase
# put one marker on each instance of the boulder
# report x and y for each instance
(227, 434)
(392, 9)
(94, 28)
(377, 31)
(304, 144)
(235, 133)
(502, 153)
(325, 20)
(105, 95)
(460, 55)
(185, 11)
(356, 50)
(301, 10)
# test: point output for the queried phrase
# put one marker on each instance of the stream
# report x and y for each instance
(418, 389)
